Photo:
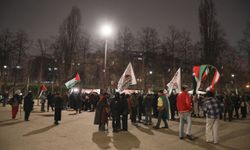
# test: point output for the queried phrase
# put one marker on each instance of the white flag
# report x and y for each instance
(127, 78)
(175, 83)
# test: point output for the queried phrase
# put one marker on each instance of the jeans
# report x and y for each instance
(185, 117)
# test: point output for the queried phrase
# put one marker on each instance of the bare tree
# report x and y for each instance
(212, 37)
(68, 41)
(245, 45)
(149, 45)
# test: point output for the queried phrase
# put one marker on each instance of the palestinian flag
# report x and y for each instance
(127, 78)
(42, 90)
(199, 73)
(71, 83)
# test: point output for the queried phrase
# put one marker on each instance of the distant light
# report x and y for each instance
(232, 75)
(75, 90)
(150, 72)
(55, 69)
(139, 58)
(49, 69)
(106, 30)
(4, 66)
(248, 86)
(18, 67)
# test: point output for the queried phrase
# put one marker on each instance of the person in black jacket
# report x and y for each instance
(115, 107)
(58, 108)
(124, 111)
(50, 102)
(28, 105)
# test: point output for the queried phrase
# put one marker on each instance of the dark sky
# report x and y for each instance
(42, 18)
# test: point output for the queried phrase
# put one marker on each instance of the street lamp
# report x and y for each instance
(106, 31)
(232, 75)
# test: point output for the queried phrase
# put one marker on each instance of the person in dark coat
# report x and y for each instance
(58, 108)
(115, 108)
(50, 102)
(243, 106)
(124, 111)
(101, 113)
(148, 102)
(172, 100)
(228, 107)
(28, 105)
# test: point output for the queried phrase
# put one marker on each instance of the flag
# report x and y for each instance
(71, 83)
(42, 90)
(215, 79)
(199, 73)
(175, 83)
(127, 78)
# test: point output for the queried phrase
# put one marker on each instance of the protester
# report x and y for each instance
(50, 102)
(163, 109)
(14, 102)
(5, 98)
(58, 108)
(42, 101)
(28, 105)
(124, 111)
(101, 113)
(172, 100)
(184, 106)
(115, 108)
(212, 107)
(243, 106)
(148, 102)
(228, 107)
(134, 108)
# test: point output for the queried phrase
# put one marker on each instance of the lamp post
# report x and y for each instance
(106, 31)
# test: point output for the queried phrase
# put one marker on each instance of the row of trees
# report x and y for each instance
(155, 59)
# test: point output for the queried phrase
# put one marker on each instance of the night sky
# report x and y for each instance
(42, 18)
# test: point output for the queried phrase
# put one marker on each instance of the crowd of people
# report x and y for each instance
(141, 108)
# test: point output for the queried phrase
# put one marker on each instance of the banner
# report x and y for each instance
(127, 78)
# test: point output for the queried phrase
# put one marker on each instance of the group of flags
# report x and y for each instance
(128, 78)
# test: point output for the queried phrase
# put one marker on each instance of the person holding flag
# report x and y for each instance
(42, 97)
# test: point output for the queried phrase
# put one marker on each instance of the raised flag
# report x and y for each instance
(175, 83)
(71, 83)
(42, 90)
(127, 78)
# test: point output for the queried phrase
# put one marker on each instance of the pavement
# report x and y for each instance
(77, 132)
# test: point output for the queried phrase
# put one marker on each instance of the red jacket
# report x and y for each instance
(184, 103)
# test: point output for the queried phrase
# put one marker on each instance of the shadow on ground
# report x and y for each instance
(101, 139)
(47, 115)
(145, 130)
(39, 130)
(11, 123)
(125, 141)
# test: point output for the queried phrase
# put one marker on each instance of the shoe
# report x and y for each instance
(190, 137)
(181, 138)
(56, 123)
(166, 127)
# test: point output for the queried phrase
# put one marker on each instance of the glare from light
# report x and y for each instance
(106, 30)
(4, 66)
(150, 72)
(248, 86)
(232, 75)
(75, 90)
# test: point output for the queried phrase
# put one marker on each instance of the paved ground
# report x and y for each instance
(77, 132)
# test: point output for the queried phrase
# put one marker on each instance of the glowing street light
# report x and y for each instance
(106, 31)
(232, 75)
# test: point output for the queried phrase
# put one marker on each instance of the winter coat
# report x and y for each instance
(28, 103)
(184, 103)
(101, 113)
